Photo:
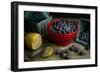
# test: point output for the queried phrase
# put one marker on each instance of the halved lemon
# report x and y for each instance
(33, 40)
(48, 52)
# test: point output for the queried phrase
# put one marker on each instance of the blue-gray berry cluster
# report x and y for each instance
(63, 26)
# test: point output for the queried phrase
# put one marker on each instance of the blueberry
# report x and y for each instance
(75, 50)
(82, 53)
(62, 19)
(66, 51)
(58, 26)
(59, 31)
(71, 49)
(63, 28)
(62, 32)
(61, 22)
(67, 32)
(66, 29)
(64, 55)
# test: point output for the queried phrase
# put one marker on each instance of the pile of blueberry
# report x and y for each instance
(64, 26)
(63, 54)
(85, 36)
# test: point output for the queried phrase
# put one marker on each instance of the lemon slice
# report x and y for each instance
(33, 40)
(48, 52)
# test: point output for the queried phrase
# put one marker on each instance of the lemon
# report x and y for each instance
(33, 40)
(48, 52)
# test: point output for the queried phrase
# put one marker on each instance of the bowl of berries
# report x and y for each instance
(62, 31)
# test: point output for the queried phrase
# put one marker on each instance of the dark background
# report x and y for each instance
(69, 15)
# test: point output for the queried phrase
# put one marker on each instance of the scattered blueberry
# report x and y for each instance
(66, 51)
(81, 53)
(64, 55)
(75, 50)
(70, 49)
